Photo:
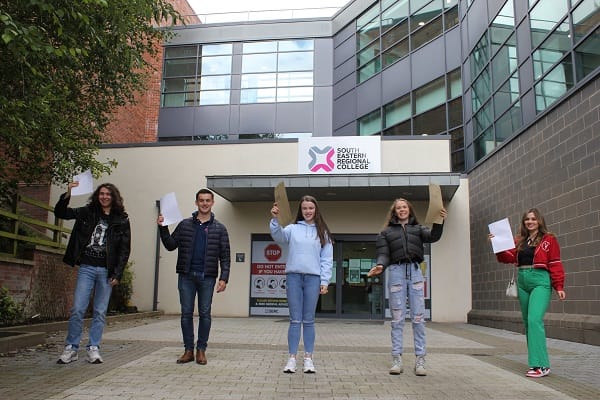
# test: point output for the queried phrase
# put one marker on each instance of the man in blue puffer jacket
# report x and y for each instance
(203, 244)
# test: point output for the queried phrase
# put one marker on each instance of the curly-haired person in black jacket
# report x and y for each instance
(203, 244)
(100, 244)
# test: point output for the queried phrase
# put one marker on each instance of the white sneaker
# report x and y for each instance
(397, 368)
(68, 355)
(290, 367)
(420, 366)
(309, 367)
(93, 355)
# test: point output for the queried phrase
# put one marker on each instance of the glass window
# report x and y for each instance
(451, 18)
(417, 4)
(259, 47)
(503, 25)
(397, 111)
(458, 160)
(370, 123)
(369, 70)
(367, 27)
(177, 99)
(503, 64)
(295, 79)
(216, 65)
(483, 118)
(430, 95)
(544, 16)
(454, 84)
(214, 97)
(552, 50)
(424, 15)
(217, 49)
(430, 31)
(259, 63)
(509, 123)
(296, 45)
(587, 55)
(181, 51)
(368, 53)
(295, 61)
(180, 67)
(215, 82)
(450, 3)
(481, 89)
(395, 53)
(258, 80)
(484, 144)
(458, 139)
(585, 16)
(430, 123)
(179, 85)
(455, 113)
(506, 95)
(479, 57)
(394, 14)
(287, 94)
(395, 34)
(266, 95)
(402, 129)
(554, 85)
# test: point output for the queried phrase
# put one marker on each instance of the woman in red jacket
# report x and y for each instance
(537, 255)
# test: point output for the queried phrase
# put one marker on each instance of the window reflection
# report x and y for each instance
(259, 80)
(296, 45)
(266, 95)
(506, 95)
(216, 82)
(585, 16)
(370, 123)
(551, 50)
(259, 63)
(484, 144)
(431, 122)
(286, 94)
(214, 97)
(180, 67)
(424, 15)
(295, 78)
(217, 49)
(509, 123)
(554, 85)
(587, 55)
(432, 30)
(259, 47)
(295, 61)
(397, 111)
(544, 16)
(430, 95)
(216, 65)
(394, 14)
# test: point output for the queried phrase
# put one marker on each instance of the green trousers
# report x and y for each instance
(535, 293)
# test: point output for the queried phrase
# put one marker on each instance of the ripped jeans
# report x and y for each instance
(405, 278)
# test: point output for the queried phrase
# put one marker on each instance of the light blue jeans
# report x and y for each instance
(89, 278)
(302, 295)
(406, 280)
(189, 285)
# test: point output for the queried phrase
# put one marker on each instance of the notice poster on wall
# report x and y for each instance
(268, 279)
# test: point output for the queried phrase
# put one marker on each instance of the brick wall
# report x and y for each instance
(554, 166)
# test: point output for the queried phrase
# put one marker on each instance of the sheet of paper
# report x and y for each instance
(436, 204)
(503, 237)
(169, 209)
(285, 213)
(86, 184)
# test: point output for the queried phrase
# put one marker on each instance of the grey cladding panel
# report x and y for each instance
(368, 95)
(294, 117)
(344, 51)
(257, 118)
(209, 120)
(344, 110)
(176, 122)
(428, 63)
(345, 69)
(396, 80)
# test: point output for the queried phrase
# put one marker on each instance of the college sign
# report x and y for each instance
(339, 155)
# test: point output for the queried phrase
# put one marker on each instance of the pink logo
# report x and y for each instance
(321, 159)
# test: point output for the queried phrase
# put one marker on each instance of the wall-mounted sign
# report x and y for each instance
(339, 155)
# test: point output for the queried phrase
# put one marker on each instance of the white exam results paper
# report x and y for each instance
(503, 238)
(86, 184)
(169, 209)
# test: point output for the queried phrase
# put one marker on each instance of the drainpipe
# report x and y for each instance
(156, 264)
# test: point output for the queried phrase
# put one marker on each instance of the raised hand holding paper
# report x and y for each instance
(86, 184)
(169, 209)
(503, 237)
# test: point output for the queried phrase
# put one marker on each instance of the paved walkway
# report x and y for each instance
(246, 357)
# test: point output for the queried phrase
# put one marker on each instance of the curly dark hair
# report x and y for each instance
(117, 205)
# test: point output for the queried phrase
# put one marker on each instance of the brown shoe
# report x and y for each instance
(186, 357)
(201, 357)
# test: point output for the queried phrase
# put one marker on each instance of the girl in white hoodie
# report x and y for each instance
(308, 271)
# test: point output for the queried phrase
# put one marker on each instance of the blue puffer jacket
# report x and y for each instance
(217, 246)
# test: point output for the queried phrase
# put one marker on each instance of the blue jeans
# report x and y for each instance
(89, 278)
(189, 285)
(302, 296)
(406, 279)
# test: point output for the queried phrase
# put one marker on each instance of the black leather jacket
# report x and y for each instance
(118, 244)
(398, 243)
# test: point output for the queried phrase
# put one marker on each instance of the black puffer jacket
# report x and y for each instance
(398, 243)
(217, 246)
(118, 243)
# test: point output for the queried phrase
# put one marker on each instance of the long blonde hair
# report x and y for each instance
(524, 233)
(391, 217)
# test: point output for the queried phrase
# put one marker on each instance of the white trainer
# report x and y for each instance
(93, 355)
(68, 355)
(397, 367)
(290, 367)
(420, 366)
(309, 366)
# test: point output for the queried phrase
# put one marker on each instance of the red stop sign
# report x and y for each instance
(273, 252)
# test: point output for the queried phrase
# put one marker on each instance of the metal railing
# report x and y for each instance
(263, 15)
(21, 229)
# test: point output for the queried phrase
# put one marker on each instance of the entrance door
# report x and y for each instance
(351, 294)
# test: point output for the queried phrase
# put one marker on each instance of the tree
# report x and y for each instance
(65, 66)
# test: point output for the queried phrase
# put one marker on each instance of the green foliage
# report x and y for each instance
(66, 66)
(11, 312)
(121, 293)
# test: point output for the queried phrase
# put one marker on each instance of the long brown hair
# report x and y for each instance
(524, 233)
(322, 228)
(391, 217)
(116, 206)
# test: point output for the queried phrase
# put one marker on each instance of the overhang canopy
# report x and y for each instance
(351, 187)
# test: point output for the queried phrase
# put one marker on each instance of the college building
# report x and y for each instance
(496, 102)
